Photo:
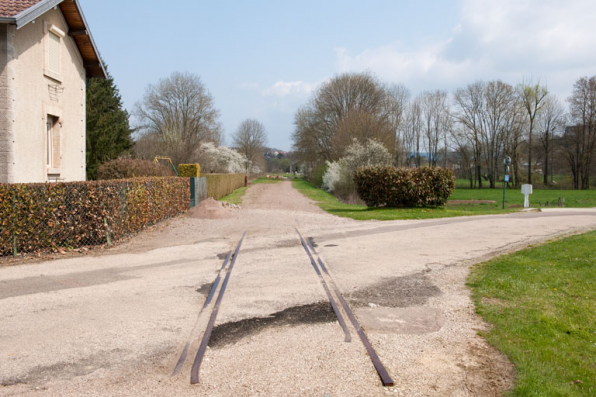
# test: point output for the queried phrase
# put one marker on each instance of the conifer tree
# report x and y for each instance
(108, 128)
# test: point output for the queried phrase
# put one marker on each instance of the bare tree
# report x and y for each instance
(469, 102)
(397, 100)
(176, 115)
(250, 139)
(351, 105)
(532, 97)
(579, 140)
(437, 121)
(550, 120)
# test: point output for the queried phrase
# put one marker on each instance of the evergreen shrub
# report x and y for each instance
(404, 187)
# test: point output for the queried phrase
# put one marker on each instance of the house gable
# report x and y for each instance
(23, 12)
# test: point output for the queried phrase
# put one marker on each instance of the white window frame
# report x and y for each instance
(49, 28)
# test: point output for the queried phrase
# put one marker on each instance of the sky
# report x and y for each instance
(263, 59)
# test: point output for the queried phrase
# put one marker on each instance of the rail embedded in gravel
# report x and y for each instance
(194, 374)
(340, 318)
(386, 380)
(184, 354)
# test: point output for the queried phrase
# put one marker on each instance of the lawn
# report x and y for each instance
(541, 303)
(570, 198)
(332, 205)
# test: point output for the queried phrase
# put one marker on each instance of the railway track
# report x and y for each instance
(331, 289)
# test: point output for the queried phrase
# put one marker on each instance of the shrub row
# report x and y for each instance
(219, 185)
(132, 168)
(404, 187)
(50, 216)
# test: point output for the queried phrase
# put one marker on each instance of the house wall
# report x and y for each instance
(37, 95)
(6, 104)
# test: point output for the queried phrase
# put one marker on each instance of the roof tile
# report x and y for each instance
(10, 8)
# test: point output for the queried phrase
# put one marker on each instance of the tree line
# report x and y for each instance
(469, 130)
(176, 118)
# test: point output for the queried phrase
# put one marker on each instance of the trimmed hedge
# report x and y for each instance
(189, 170)
(219, 185)
(404, 187)
(69, 215)
(132, 168)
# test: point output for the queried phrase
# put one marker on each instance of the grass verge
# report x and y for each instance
(235, 197)
(332, 205)
(541, 303)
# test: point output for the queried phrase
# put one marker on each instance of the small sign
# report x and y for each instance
(506, 178)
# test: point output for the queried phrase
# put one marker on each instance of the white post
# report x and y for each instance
(526, 191)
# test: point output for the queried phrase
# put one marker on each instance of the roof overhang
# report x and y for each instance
(77, 28)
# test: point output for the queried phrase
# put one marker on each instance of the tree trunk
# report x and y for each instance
(530, 152)
(546, 147)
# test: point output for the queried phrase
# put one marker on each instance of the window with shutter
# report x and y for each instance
(54, 52)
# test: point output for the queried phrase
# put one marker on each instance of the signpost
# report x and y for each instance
(526, 191)
(506, 163)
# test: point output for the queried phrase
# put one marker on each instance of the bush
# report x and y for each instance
(404, 187)
(132, 168)
(189, 170)
(49, 216)
(316, 176)
(339, 178)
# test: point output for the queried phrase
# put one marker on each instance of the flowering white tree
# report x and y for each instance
(339, 177)
(220, 159)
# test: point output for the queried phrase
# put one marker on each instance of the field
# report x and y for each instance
(541, 303)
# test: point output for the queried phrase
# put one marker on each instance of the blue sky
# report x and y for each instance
(263, 59)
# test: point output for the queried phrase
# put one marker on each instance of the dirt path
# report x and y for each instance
(115, 324)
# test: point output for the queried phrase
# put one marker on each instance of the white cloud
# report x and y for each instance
(505, 39)
(285, 88)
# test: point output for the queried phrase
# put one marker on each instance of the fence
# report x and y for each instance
(219, 185)
(37, 217)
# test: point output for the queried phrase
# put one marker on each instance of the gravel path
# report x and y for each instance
(114, 324)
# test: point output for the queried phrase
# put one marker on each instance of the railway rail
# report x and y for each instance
(329, 285)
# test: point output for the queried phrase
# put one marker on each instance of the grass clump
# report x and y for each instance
(541, 303)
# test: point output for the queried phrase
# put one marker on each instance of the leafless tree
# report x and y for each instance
(397, 101)
(550, 121)
(351, 105)
(250, 139)
(437, 122)
(412, 133)
(532, 97)
(469, 103)
(176, 115)
(579, 140)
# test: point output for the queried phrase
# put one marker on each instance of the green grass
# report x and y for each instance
(541, 303)
(332, 205)
(570, 198)
(235, 197)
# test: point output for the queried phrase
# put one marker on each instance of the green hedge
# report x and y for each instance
(219, 185)
(189, 170)
(404, 187)
(41, 217)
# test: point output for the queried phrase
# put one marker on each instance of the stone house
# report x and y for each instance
(46, 55)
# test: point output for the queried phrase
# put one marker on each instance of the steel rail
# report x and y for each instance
(340, 318)
(381, 370)
(194, 373)
(184, 354)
